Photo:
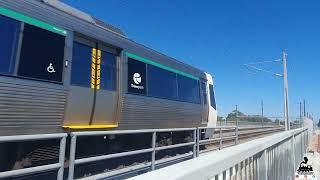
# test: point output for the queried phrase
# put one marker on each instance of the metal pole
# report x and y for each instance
(262, 113)
(153, 155)
(61, 158)
(220, 146)
(293, 153)
(195, 143)
(225, 120)
(237, 135)
(300, 114)
(304, 108)
(237, 123)
(198, 142)
(285, 83)
(72, 156)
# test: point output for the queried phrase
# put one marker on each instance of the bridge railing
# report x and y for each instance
(273, 157)
(37, 169)
(220, 135)
(195, 144)
(152, 150)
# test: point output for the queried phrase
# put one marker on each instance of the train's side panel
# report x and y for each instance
(139, 112)
(134, 111)
(146, 112)
(28, 106)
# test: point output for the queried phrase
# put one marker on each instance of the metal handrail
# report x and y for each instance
(195, 143)
(219, 127)
(153, 149)
(73, 161)
(216, 139)
(99, 133)
(109, 156)
(272, 157)
(37, 169)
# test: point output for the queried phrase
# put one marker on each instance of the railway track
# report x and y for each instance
(258, 132)
(245, 134)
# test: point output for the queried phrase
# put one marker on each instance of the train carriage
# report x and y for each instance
(63, 70)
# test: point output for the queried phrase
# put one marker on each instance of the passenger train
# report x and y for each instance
(62, 70)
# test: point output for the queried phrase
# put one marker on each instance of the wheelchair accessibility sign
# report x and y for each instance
(50, 68)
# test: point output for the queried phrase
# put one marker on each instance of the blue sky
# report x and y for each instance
(220, 36)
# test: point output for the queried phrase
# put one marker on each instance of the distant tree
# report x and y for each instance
(234, 115)
(220, 118)
(319, 123)
(277, 121)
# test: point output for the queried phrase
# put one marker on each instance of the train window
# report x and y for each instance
(108, 71)
(81, 65)
(9, 34)
(188, 89)
(204, 92)
(212, 98)
(136, 77)
(161, 83)
(42, 54)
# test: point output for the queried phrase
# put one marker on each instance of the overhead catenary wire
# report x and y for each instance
(262, 70)
(263, 62)
(252, 67)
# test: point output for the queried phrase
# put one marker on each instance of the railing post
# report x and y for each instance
(153, 155)
(265, 154)
(220, 145)
(195, 143)
(72, 156)
(293, 153)
(307, 143)
(237, 135)
(262, 166)
(61, 157)
(198, 142)
(302, 143)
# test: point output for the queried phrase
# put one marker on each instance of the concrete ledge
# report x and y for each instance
(214, 163)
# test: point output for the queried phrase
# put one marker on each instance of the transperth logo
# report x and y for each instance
(136, 78)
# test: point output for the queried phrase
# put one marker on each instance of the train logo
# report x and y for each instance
(305, 170)
(304, 167)
(136, 78)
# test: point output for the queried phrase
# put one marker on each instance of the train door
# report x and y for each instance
(106, 97)
(81, 95)
(92, 98)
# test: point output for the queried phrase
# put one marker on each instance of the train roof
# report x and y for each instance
(82, 15)
(70, 18)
